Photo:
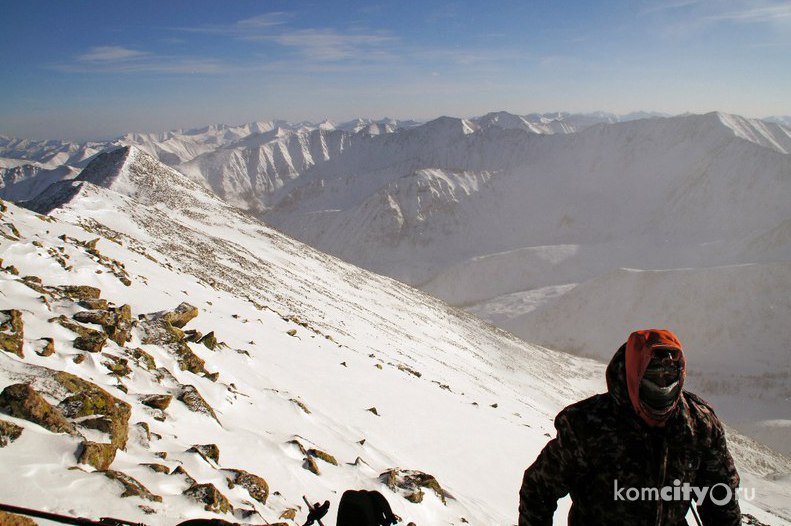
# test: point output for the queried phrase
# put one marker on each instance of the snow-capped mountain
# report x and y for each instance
(255, 370)
(523, 219)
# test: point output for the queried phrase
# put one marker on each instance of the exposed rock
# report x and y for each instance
(412, 481)
(207, 451)
(12, 332)
(22, 401)
(409, 370)
(212, 376)
(91, 343)
(210, 341)
(416, 497)
(94, 304)
(10, 519)
(207, 494)
(181, 471)
(292, 332)
(159, 468)
(117, 366)
(256, 486)
(98, 455)
(132, 488)
(116, 322)
(299, 445)
(143, 359)
(34, 282)
(79, 359)
(193, 335)
(9, 432)
(49, 347)
(326, 457)
(373, 410)
(80, 292)
(188, 360)
(301, 405)
(89, 399)
(190, 396)
(157, 401)
(289, 514)
(157, 330)
(311, 465)
(181, 315)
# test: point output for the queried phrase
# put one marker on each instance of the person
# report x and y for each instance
(365, 508)
(638, 454)
(317, 512)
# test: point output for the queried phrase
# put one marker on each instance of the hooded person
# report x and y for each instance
(638, 454)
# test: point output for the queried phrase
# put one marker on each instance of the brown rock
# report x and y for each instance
(8, 433)
(210, 341)
(12, 332)
(132, 488)
(311, 465)
(97, 455)
(181, 315)
(256, 486)
(49, 347)
(10, 519)
(157, 401)
(207, 451)
(81, 292)
(22, 401)
(211, 497)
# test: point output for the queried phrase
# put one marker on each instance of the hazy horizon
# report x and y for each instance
(81, 71)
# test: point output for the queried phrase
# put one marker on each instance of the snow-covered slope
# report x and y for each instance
(22, 180)
(453, 396)
(356, 341)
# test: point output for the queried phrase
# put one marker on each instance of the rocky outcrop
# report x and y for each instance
(181, 315)
(326, 457)
(22, 401)
(10, 519)
(9, 432)
(12, 332)
(207, 452)
(190, 396)
(411, 482)
(256, 486)
(132, 488)
(211, 497)
(116, 322)
(157, 401)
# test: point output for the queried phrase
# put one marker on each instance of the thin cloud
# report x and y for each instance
(328, 44)
(110, 54)
(764, 14)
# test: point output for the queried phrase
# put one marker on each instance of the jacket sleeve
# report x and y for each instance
(717, 472)
(551, 476)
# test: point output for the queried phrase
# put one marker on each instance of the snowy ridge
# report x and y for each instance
(294, 324)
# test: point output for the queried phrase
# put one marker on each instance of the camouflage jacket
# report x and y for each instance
(603, 449)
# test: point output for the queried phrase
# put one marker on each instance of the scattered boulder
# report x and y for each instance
(412, 481)
(116, 365)
(12, 332)
(132, 488)
(301, 405)
(181, 471)
(116, 322)
(210, 341)
(289, 514)
(326, 457)
(8, 433)
(10, 519)
(88, 399)
(49, 347)
(157, 401)
(22, 401)
(416, 497)
(94, 304)
(256, 486)
(299, 445)
(89, 339)
(143, 359)
(190, 396)
(311, 465)
(181, 315)
(292, 332)
(157, 330)
(96, 454)
(211, 497)
(373, 410)
(207, 451)
(193, 336)
(159, 468)
(80, 292)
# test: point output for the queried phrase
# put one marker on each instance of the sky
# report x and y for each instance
(89, 70)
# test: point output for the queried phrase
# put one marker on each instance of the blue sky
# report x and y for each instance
(86, 69)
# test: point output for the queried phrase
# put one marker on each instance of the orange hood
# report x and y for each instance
(639, 350)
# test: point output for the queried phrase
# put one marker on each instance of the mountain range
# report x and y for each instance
(239, 369)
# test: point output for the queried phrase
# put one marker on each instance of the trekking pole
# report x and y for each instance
(63, 519)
